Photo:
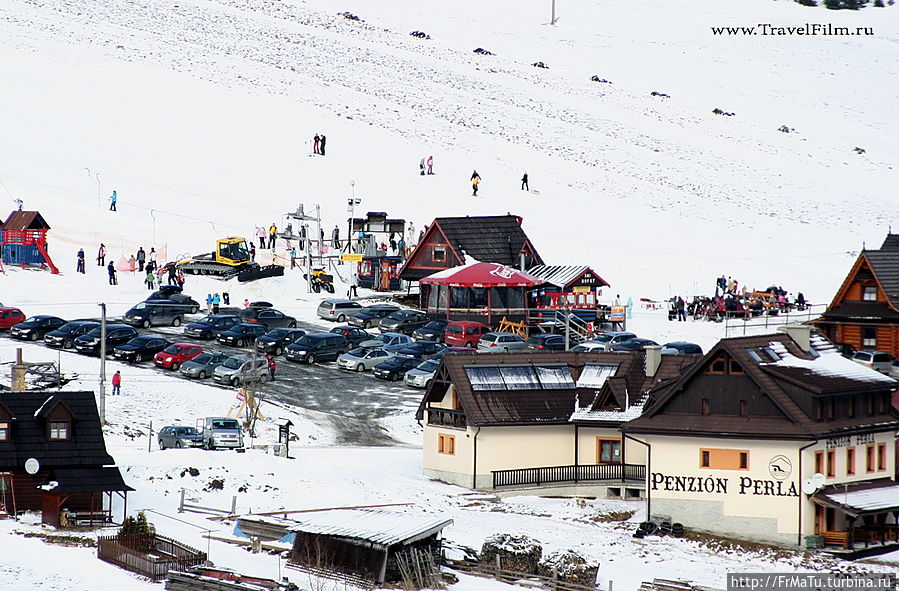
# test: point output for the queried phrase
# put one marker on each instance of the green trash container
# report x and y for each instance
(814, 542)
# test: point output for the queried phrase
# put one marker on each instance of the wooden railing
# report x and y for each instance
(151, 556)
(445, 417)
(580, 473)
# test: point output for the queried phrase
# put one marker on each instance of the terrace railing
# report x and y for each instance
(561, 474)
(443, 417)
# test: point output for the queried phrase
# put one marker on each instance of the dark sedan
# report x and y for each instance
(210, 326)
(395, 368)
(240, 335)
(432, 331)
(275, 341)
(268, 317)
(184, 303)
(354, 336)
(140, 348)
(179, 437)
(404, 321)
(632, 345)
(421, 349)
(369, 316)
(164, 292)
(64, 336)
(116, 334)
(36, 327)
(546, 342)
(451, 351)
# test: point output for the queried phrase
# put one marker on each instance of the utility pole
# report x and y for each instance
(351, 202)
(318, 230)
(553, 18)
(567, 328)
(308, 259)
(102, 404)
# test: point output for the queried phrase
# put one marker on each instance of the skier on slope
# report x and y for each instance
(475, 180)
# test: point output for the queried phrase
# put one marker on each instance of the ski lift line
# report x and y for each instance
(8, 192)
(690, 255)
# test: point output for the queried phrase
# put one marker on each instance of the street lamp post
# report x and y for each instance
(351, 202)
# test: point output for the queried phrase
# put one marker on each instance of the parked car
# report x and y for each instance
(337, 309)
(240, 334)
(877, 360)
(64, 336)
(681, 348)
(184, 302)
(140, 348)
(179, 437)
(203, 365)
(590, 346)
(421, 349)
(632, 345)
(395, 368)
(276, 340)
(450, 351)
(894, 369)
(432, 331)
(546, 341)
(404, 321)
(210, 326)
(501, 342)
(465, 333)
(9, 317)
(176, 354)
(241, 369)
(319, 346)
(154, 313)
(361, 359)
(116, 334)
(220, 432)
(370, 316)
(421, 375)
(268, 317)
(165, 291)
(607, 339)
(354, 336)
(36, 327)
(845, 349)
(391, 341)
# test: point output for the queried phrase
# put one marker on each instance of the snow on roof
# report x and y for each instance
(385, 528)
(39, 411)
(558, 275)
(829, 364)
(453, 270)
(869, 499)
(630, 413)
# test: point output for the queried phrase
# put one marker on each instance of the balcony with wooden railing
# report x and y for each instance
(444, 417)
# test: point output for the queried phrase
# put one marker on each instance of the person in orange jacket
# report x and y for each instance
(271, 365)
(116, 383)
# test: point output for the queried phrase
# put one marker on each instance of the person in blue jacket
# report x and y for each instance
(216, 300)
(112, 201)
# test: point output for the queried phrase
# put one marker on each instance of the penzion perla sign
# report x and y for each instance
(708, 484)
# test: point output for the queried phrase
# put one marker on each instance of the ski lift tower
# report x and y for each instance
(301, 216)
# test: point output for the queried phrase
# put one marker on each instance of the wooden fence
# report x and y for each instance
(560, 474)
(516, 578)
(152, 556)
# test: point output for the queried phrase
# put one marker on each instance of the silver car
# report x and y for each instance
(240, 369)
(501, 342)
(876, 360)
(422, 375)
(362, 358)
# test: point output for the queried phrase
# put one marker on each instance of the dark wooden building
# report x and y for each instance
(864, 312)
(451, 242)
(62, 432)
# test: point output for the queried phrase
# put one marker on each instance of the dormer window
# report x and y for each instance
(439, 253)
(869, 293)
(59, 430)
(4, 430)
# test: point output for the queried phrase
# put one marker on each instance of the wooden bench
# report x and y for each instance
(89, 517)
(836, 538)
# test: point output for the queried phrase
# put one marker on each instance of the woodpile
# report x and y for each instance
(516, 553)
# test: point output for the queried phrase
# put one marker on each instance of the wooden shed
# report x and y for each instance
(23, 240)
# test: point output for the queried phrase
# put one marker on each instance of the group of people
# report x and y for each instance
(266, 238)
(736, 304)
(476, 180)
(213, 300)
(430, 168)
(140, 261)
(318, 144)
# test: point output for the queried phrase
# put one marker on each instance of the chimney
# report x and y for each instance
(18, 372)
(653, 359)
(800, 333)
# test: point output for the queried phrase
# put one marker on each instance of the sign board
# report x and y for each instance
(581, 289)
(351, 257)
(617, 314)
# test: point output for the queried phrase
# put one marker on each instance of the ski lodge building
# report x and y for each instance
(775, 438)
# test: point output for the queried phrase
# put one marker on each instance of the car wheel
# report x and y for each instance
(360, 367)
(145, 323)
(235, 381)
(263, 378)
(427, 384)
(341, 318)
(468, 344)
(368, 324)
(161, 445)
(292, 325)
(178, 444)
(33, 336)
(395, 377)
(195, 309)
(202, 375)
(240, 342)
(67, 344)
(175, 366)
(278, 350)
(176, 321)
(310, 358)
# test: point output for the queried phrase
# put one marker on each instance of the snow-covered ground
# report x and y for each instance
(200, 114)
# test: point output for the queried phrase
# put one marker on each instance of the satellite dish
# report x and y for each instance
(32, 466)
(808, 486)
(818, 479)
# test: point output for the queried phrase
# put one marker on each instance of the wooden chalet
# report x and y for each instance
(23, 240)
(734, 445)
(454, 241)
(53, 457)
(864, 312)
(571, 287)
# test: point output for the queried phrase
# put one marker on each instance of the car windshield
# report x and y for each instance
(207, 320)
(185, 431)
(225, 424)
(435, 324)
(173, 349)
(399, 315)
(454, 329)
(94, 332)
(233, 363)
(307, 341)
(358, 352)
(202, 358)
(278, 333)
(35, 319)
(489, 338)
(428, 366)
(603, 338)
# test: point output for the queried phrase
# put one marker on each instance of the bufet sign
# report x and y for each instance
(617, 314)
(351, 257)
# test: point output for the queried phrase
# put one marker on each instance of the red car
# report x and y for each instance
(175, 354)
(464, 333)
(10, 317)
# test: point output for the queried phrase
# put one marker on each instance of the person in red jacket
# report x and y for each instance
(271, 365)
(116, 383)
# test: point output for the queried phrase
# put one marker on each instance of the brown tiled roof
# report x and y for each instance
(25, 220)
(861, 312)
(793, 422)
(885, 266)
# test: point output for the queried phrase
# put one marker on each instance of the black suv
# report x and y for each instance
(210, 326)
(432, 331)
(240, 335)
(354, 336)
(64, 336)
(403, 321)
(320, 346)
(140, 348)
(154, 313)
(36, 327)
(116, 334)
(268, 317)
(369, 316)
(274, 341)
